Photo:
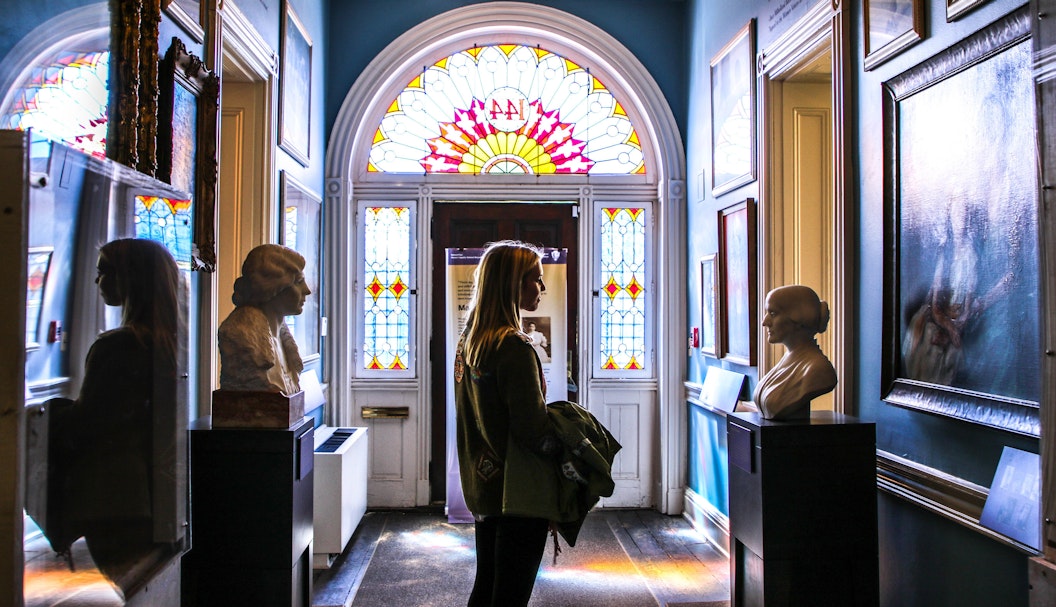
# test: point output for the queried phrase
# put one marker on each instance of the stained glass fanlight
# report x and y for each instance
(386, 295)
(65, 100)
(506, 109)
(622, 293)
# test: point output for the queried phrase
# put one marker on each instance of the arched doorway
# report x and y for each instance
(639, 400)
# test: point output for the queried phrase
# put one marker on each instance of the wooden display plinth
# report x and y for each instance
(803, 522)
(247, 409)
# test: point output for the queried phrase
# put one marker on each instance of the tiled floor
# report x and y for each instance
(665, 555)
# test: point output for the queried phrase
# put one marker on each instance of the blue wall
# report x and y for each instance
(654, 30)
(925, 560)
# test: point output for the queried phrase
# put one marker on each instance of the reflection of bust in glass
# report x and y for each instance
(101, 446)
(257, 350)
(538, 341)
(794, 315)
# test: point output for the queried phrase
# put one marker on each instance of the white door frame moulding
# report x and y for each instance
(645, 104)
(825, 27)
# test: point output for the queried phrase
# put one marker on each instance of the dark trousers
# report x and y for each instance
(509, 550)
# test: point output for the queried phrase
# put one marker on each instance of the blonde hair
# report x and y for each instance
(494, 308)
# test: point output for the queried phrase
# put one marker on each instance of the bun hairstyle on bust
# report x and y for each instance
(266, 272)
(805, 307)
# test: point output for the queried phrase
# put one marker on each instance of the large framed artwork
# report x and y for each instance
(737, 262)
(961, 285)
(733, 112)
(295, 80)
(891, 26)
(187, 145)
(710, 344)
(301, 223)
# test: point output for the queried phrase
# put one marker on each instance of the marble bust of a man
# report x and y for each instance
(257, 350)
(794, 315)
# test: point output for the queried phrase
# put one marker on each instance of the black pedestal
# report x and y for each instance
(802, 511)
(251, 516)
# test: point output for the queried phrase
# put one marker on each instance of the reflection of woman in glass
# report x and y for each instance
(101, 451)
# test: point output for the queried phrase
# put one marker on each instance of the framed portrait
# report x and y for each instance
(187, 142)
(188, 14)
(956, 8)
(891, 26)
(295, 81)
(733, 112)
(961, 285)
(737, 305)
(710, 344)
(301, 223)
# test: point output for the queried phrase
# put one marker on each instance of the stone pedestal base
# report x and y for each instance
(246, 409)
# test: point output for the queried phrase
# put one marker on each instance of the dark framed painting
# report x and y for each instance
(737, 262)
(295, 82)
(956, 8)
(187, 142)
(301, 228)
(891, 26)
(733, 112)
(710, 344)
(961, 285)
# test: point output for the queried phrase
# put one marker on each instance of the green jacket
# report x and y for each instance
(500, 407)
(520, 457)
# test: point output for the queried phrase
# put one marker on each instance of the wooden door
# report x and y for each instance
(472, 225)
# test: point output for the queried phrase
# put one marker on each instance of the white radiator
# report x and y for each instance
(340, 490)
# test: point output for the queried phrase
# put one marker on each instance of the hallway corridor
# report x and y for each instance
(624, 558)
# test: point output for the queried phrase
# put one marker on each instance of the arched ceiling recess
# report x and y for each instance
(508, 23)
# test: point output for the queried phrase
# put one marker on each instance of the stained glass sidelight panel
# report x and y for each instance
(506, 109)
(622, 295)
(386, 298)
(168, 222)
(65, 100)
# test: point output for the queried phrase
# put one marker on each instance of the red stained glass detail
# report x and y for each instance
(635, 288)
(612, 288)
(375, 288)
(397, 288)
(610, 364)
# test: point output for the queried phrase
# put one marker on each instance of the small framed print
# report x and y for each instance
(301, 230)
(733, 112)
(737, 306)
(710, 344)
(891, 26)
(956, 8)
(295, 80)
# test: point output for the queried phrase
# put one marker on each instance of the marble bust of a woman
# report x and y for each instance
(257, 350)
(794, 315)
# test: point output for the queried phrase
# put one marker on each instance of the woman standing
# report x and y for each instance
(500, 409)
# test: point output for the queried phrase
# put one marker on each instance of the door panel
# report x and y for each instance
(472, 225)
